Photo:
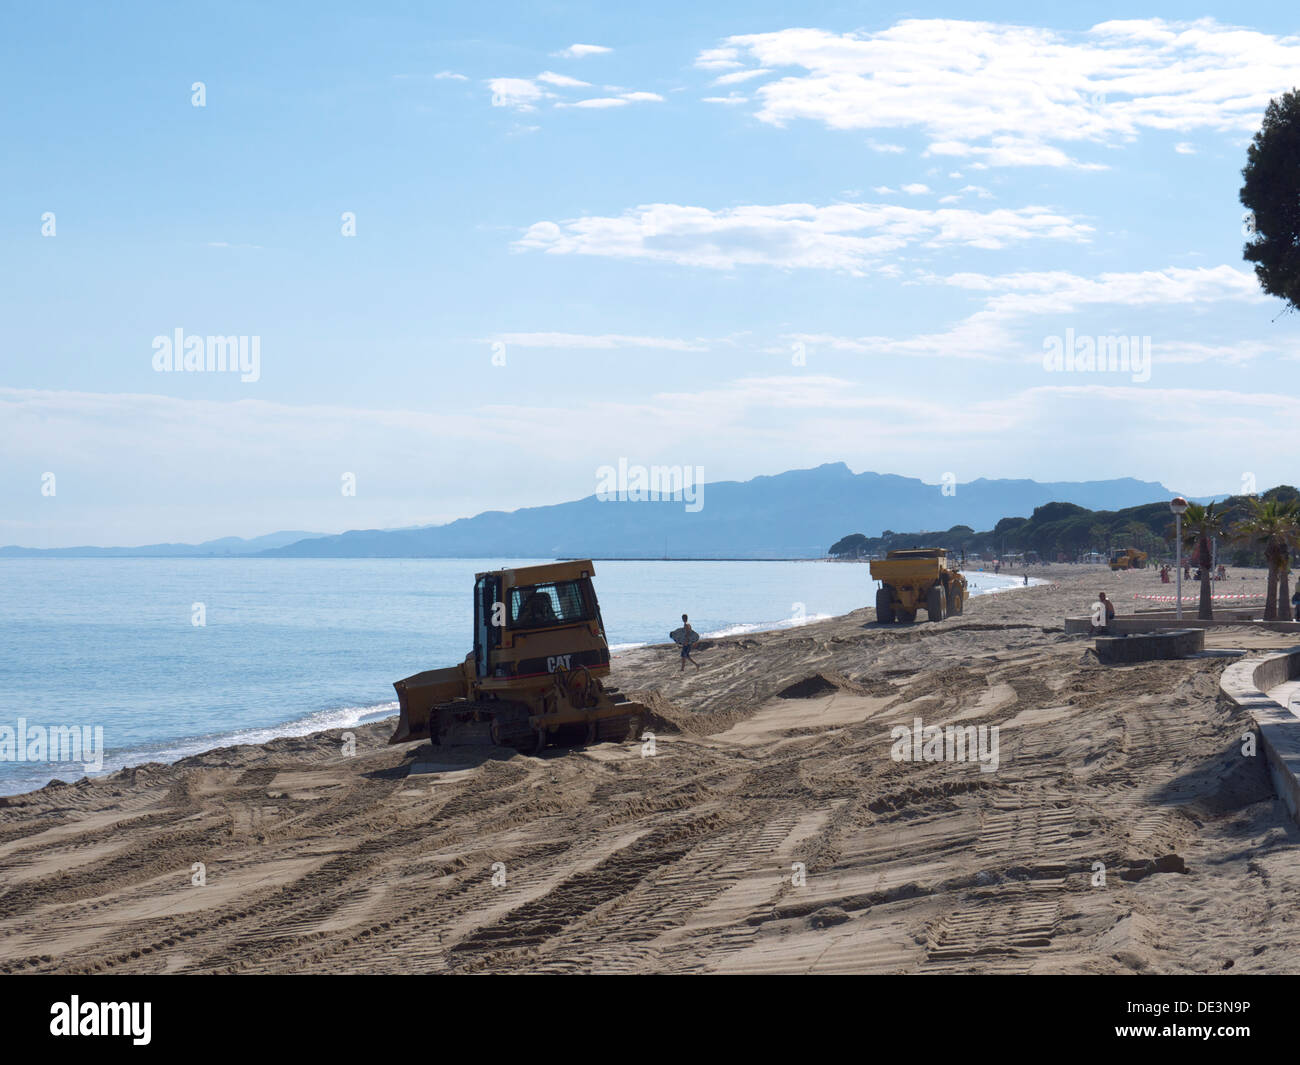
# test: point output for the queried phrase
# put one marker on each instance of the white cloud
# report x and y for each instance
(1005, 330)
(739, 76)
(892, 149)
(622, 100)
(561, 80)
(604, 341)
(956, 197)
(521, 94)
(599, 102)
(848, 237)
(718, 59)
(450, 75)
(1006, 95)
(916, 189)
(731, 99)
(580, 51)
(1184, 148)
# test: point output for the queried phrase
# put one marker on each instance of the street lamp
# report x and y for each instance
(1179, 506)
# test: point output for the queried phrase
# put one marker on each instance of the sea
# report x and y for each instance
(164, 658)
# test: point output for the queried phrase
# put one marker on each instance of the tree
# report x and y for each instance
(1272, 194)
(1137, 532)
(1100, 535)
(1200, 525)
(855, 544)
(1273, 525)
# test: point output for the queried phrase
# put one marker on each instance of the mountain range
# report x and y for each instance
(796, 514)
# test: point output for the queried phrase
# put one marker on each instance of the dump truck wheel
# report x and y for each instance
(934, 603)
(884, 607)
(956, 602)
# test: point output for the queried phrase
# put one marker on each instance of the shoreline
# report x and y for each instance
(174, 751)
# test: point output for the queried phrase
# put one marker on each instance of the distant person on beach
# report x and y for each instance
(689, 637)
(1026, 580)
(1295, 604)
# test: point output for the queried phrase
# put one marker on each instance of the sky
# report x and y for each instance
(482, 251)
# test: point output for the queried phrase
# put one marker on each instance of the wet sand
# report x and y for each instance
(774, 757)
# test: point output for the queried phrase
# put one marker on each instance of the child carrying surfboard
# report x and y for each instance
(687, 637)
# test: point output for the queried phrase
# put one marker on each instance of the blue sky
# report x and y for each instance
(707, 235)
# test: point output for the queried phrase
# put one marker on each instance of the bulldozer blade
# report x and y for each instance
(418, 695)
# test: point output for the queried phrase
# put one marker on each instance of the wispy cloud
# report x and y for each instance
(581, 51)
(739, 76)
(520, 94)
(622, 100)
(561, 80)
(848, 237)
(1008, 328)
(603, 341)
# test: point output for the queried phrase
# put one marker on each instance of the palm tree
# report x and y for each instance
(1138, 534)
(1100, 535)
(1200, 525)
(1274, 526)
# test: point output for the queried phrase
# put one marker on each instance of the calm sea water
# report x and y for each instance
(291, 646)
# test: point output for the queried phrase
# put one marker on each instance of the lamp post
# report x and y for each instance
(1179, 506)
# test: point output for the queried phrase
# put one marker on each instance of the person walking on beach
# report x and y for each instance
(1295, 604)
(688, 637)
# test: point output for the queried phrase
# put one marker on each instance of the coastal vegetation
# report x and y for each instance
(1066, 532)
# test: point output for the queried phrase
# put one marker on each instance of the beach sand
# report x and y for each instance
(774, 757)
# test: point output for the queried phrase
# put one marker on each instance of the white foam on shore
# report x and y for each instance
(1005, 583)
(765, 626)
(171, 751)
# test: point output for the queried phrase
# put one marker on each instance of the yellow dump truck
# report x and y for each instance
(535, 674)
(1128, 558)
(916, 578)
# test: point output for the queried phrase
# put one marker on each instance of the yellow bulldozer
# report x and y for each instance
(915, 578)
(1128, 558)
(535, 674)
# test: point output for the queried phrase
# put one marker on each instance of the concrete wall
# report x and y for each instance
(1149, 646)
(1124, 624)
(1245, 683)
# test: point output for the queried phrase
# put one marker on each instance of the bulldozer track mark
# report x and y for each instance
(1012, 928)
(634, 926)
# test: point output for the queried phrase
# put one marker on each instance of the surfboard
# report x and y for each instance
(679, 636)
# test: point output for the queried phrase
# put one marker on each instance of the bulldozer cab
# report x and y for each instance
(516, 607)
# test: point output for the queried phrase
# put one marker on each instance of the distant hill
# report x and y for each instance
(226, 546)
(797, 514)
(1062, 528)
